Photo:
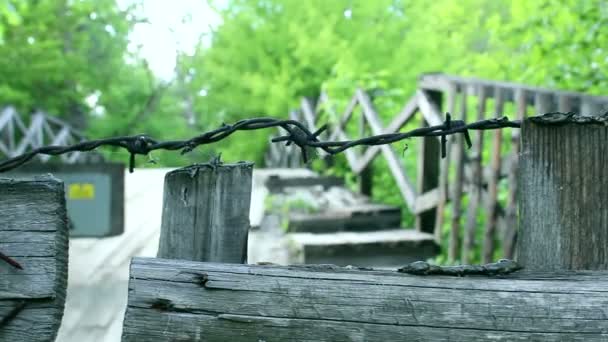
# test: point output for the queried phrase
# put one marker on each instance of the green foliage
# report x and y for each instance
(267, 54)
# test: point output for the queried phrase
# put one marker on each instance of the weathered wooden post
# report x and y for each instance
(206, 213)
(34, 263)
(564, 193)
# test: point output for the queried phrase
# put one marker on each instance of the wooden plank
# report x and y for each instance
(510, 231)
(206, 212)
(564, 104)
(428, 158)
(345, 117)
(591, 106)
(308, 113)
(456, 193)
(406, 114)
(366, 176)
(429, 107)
(543, 103)
(441, 82)
(34, 233)
(492, 201)
(172, 300)
(385, 248)
(563, 216)
(360, 217)
(394, 163)
(427, 201)
(277, 184)
(476, 179)
(444, 165)
(29, 139)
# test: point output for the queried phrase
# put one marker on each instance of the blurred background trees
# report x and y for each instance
(77, 59)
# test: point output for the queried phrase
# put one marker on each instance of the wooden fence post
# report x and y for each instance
(564, 193)
(428, 171)
(33, 233)
(206, 213)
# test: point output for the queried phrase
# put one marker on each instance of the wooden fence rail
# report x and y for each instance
(558, 296)
(34, 233)
(17, 137)
(473, 177)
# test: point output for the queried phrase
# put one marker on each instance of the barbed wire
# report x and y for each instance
(297, 134)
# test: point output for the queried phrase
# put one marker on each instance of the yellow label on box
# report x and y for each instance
(81, 191)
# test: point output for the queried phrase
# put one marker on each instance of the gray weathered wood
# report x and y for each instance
(34, 233)
(428, 165)
(384, 248)
(563, 196)
(278, 184)
(360, 217)
(442, 82)
(476, 184)
(510, 226)
(444, 170)
(187, 301)
(206, 213)
(492, 203)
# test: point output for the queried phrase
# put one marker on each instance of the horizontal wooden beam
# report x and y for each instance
(179, 300)
(552, 99)
(34, 233)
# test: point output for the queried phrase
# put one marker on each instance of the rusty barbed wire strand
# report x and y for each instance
(297, 134)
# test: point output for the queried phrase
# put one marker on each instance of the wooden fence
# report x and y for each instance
(564, 225)
(469, 180)
(17, 137)
(209, 295)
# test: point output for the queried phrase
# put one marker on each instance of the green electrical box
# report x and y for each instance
(94, 195)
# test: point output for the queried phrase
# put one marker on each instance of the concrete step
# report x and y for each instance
(358, 217)
(379, 249)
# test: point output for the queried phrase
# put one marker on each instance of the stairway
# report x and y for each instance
(323, 222)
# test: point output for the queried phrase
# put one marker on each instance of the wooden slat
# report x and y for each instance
(308, 113)
(543, 103)
(33, 232)
(427, 200)
(406, 114)
(188, 301)
(444, 165)
(428, 157)
(492, 201)
(345, 117)
(405, 185)
(476, 184)
(30, 137)
(564, 104)
(430, 111)
(6, 116)
(510, 231)
(591, 106)
(383, 248)
(456, 193)
(442, 82)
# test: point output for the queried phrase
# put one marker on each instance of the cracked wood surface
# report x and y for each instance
(34, 233)
(190, 301)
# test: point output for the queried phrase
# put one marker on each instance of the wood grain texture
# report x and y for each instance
(206, 213)
(563, 196)
(33, 232)
(188, 301)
